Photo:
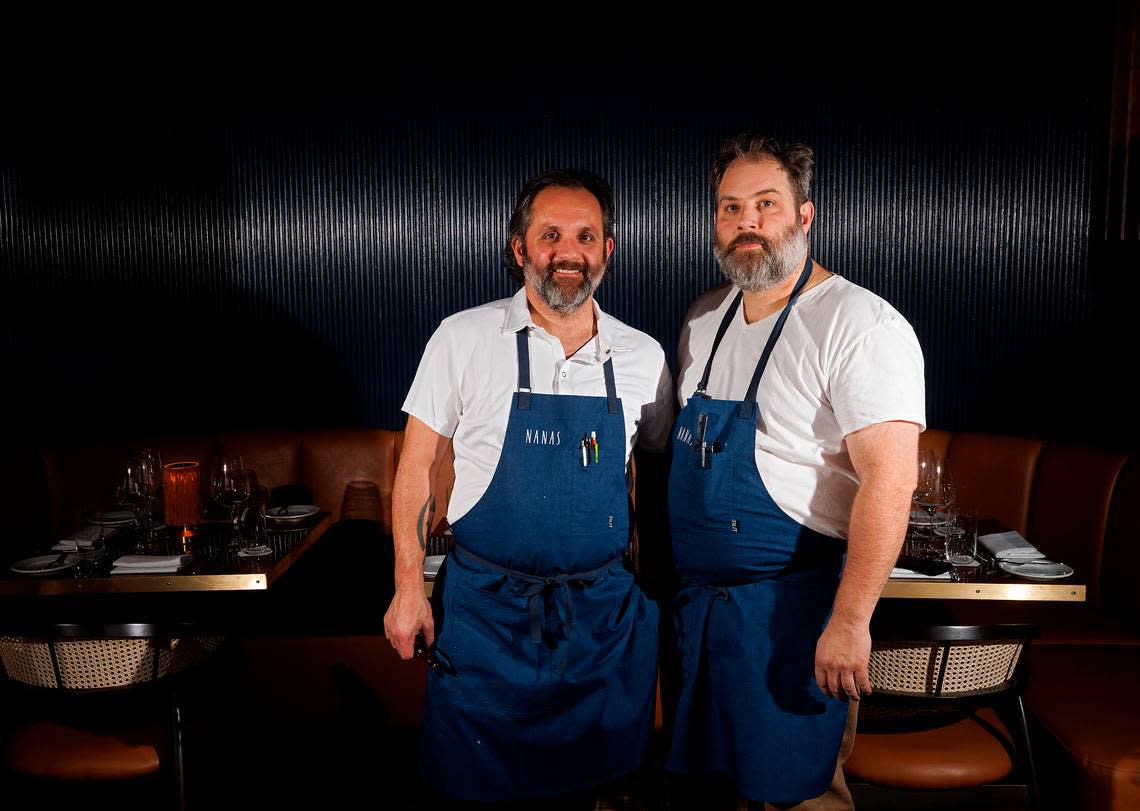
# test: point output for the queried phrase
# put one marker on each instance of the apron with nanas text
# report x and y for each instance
(550, 646)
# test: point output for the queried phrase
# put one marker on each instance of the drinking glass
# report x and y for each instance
(962, 544)
(87, 557)
(229, 487)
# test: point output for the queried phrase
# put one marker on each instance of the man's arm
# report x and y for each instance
(413, 515)
(884, 459)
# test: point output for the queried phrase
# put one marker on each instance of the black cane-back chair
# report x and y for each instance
(99, 704)
(945, 725)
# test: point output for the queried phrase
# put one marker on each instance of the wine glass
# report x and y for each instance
(229, 487)
(131, 494)
(936, 491)
(148, 474)
(922, 480)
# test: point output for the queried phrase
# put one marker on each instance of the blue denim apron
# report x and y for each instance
(550, 648)
(757, 591)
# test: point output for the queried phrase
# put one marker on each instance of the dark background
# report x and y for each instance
(192, 250)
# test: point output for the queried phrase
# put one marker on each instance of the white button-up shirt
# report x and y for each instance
(469, 371)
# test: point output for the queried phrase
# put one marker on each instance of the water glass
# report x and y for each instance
(88, 556)
(961, 540)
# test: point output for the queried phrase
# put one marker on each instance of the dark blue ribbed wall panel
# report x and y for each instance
(180, 269)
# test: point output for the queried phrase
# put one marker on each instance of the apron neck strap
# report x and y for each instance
(611, 386)
(747, 408)
(524, 369)
(524, 375)
(724, 323)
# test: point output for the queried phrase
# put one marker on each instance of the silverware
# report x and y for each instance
(1031, 560)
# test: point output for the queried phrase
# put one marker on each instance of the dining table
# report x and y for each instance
(212, 564)
(217, 588)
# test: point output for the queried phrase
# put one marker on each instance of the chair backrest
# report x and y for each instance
(123, 656)
(948, 662)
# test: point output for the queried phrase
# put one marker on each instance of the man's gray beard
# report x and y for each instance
(556, 297)
(757, 271)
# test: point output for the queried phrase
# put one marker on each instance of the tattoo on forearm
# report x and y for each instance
(424, 527)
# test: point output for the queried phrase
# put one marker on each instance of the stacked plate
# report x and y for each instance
(112, 518)
(290, 515)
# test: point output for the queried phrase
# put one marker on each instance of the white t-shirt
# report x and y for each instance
(469, 371)
(846, 359)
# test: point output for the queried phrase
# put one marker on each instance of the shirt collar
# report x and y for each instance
(609, 339)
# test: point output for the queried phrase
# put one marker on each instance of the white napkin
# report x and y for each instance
(84, 538)
(1009, 546)
(139, 564)
(899, 573)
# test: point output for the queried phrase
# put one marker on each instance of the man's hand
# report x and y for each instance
(408, 615)
(841, 657)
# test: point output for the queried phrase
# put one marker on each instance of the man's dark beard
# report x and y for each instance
(556, 296)
(757, 271)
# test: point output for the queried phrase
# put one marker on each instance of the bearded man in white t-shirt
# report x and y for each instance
(793, 467)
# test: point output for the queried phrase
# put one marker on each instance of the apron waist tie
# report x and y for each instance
(539, 590)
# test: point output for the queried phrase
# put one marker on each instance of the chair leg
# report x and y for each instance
(176, 751)
(1032, 767)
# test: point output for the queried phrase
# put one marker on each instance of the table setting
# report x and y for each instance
(949, 542)
(165, 521)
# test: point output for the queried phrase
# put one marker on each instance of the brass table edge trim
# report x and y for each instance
(1020, 592)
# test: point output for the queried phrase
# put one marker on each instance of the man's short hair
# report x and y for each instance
(797, 160)
(557, 179)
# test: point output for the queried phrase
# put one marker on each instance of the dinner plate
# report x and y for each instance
(43, 564)
(1037, 571)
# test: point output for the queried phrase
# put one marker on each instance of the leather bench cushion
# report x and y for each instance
(994, 475)
(79, 476)
(1120, 564)
(274, 456)
(1086, 697)
(63, 752)
(935, 440)
(332, 459)
(964, 753)
(1072, 491)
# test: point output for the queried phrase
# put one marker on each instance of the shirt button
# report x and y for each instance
(564, 374)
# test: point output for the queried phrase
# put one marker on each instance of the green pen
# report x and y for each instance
(594, 442)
